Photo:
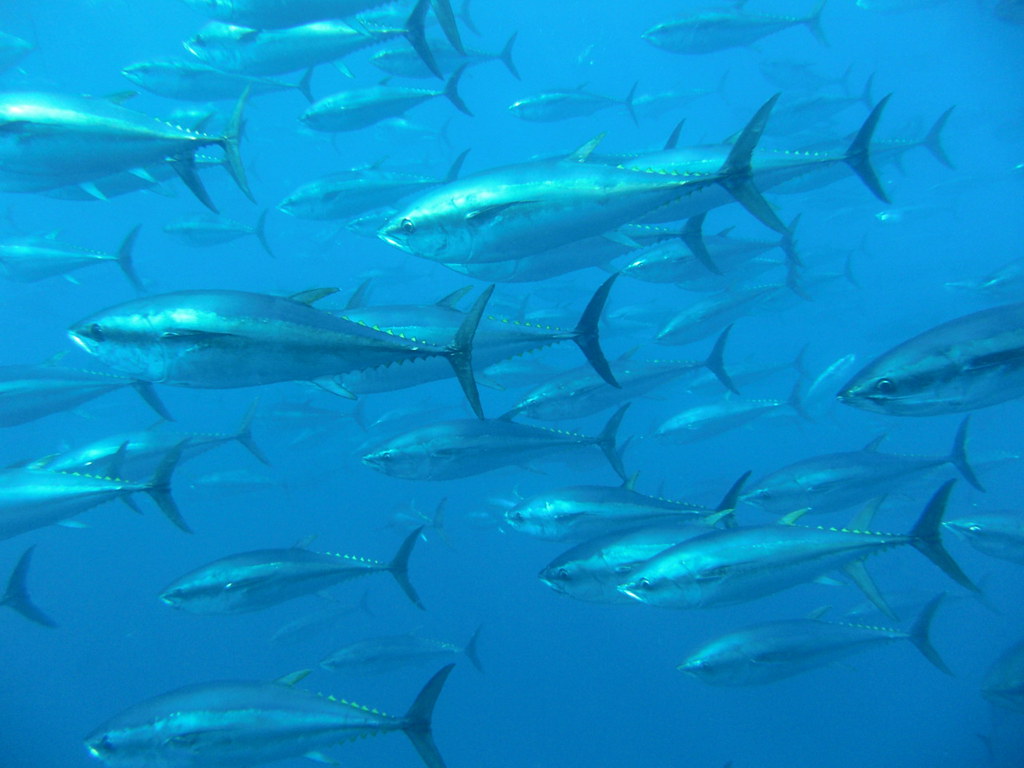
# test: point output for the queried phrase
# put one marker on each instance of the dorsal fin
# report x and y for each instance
(817, 613)
(630, 483)
(793, 516)
(359, 295)
(453, 298)
(313, 295)
(673, 138)
(862, 520)
(875, 443)
(305, 541)
(583, 152)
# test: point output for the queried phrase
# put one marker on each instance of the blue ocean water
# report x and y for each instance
(567, 683)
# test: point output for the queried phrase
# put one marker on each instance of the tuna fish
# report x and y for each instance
(225, 339)
(53, 140)
(836, 481)
(465, 447)
(704, 421)
(406, 62)
(225, 724)
(195, 81)
(252, 581)
(28, 259)
(995, 534)
(363, 107)
(780, 649)
(32, 498)
(29, 392)
(16, 595)
(1004, 681)
(12, 50)
(204, 230)
(737, 565)
(381, 655)
(962, 365)
(716, 30)
(553, 106)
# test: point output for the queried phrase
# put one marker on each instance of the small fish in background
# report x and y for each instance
(1005, 283)
(897, 6)
(1004, 682)
(252, 723)
(996, 534)
(408, 516)
(205, 230)
(406, 62)
(362, 107)
(383, 655)
(797, 75)
(252, 581)
(553, 106)
(710, 31)
(16, 596)
(311, 625)
(195, 81)
(28, 259)
(231, 481)
(778, 650)
(1010, 11)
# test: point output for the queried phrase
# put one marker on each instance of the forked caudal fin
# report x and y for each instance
(124, 258)
(16, 595)
(417, 721)
(927, 537)
(159, 486)
(416, 35)
(858, 154)
(715, 361)
(244, 434)
(460, 352)
(399, 567)
(586, 335)
(451, 91)
(958, 455)
(606, 441)
(920, 635)
(736, 173)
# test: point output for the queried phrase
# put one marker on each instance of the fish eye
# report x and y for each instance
(644, 583)
(561, 573)
(885, 386)
(96, 332)
(407, 226)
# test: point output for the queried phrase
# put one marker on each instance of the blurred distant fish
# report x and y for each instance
(564, 105)
(781, 649)
(224, 724)
(16, 596)
(29, 392)
(1004, 681)
(231, 481)
(896, 6)
(252, 581)
(194, 81)
(1010, 11)
(454, 449)
(381, 655)
(27, 259)
(794, 75)
(355, 191)
(995, 534)
(12, 50)
(716, 30)
(311, 624)
(704, 421)
(406, 62)
(205, 230)
(363, 107)
(1004, 282)
(971, 362)
(149, 178)
(658, 103)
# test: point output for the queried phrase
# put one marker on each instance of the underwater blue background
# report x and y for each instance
(567, 683)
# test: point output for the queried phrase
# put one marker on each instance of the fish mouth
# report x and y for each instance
(627, 589)
(388, 237)
(88, 345)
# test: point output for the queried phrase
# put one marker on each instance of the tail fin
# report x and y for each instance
(451, 91)
(506, 56)
(716, 363)
(460, 353)
(159, 486)
(467, 19)
(244, 434)
(919, 635)
(446, 18)
(438, 522)
(185, 167)
(865, 95)
(692, 236)
(606, 441)
(416, 723)
(399, 567)
(933, 139)
(229, 143)
(416, 35)
(148, 393)
(788, 244)
(261, 233)
(586, 335)
(731, 500)
(471, 651)
(927, 537)
(124, 258)
(16, 596)
(796, 402)
(305, 85)
(958, 455)
(736, 172)
(858, 154)
(628, 103)
(813, 23)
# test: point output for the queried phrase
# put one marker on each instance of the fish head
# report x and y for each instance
(654, 588)
(126, 339)
(537, 517)
(902, 384)
(138, 73)
(401, 458)
(433, 228)
(220, 44)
